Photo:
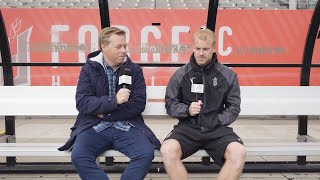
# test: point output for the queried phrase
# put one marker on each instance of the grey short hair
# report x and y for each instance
(104, 35)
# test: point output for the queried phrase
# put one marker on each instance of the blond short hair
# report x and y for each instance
(104, 35)
(205, 35)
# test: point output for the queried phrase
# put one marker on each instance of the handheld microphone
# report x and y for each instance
(125, 76)
(197, 84)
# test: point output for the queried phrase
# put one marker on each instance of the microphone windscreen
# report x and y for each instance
(197, 78)
(125, 70)
(197, 83)
(125, 75)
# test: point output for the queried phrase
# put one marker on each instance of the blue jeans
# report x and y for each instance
(133, 143)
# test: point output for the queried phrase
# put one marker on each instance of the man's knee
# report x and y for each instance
(149, 154)
(146, 154)
(236, 153)
(171, 149)
(77, 158)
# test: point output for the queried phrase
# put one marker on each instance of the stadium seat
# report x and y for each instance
(159, 4)
(34, 5)
(83, 5)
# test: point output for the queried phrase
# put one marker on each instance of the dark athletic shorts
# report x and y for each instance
(215, 142)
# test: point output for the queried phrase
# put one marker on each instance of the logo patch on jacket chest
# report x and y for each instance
(215, 81)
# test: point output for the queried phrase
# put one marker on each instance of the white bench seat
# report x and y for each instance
(253, 149)
(255, 100)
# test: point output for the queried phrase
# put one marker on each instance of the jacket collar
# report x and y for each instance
(97, 56)
(207, 67)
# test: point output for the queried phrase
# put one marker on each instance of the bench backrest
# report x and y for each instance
(256, 100)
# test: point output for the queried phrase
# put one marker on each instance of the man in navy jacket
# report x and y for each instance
(109, 114)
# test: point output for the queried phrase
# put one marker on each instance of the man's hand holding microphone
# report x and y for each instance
(123, 94)
(195, 108)
(196, 87)
(124, 80)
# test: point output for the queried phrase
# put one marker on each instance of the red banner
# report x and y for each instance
(161, 36)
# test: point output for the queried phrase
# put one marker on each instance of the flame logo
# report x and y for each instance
(15, 28)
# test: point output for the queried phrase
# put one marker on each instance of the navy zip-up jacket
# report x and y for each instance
(92, 99)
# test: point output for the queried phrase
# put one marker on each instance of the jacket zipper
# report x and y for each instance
(199, 116)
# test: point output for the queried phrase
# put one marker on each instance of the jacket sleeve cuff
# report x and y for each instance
(112, 100)
(187, 111)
